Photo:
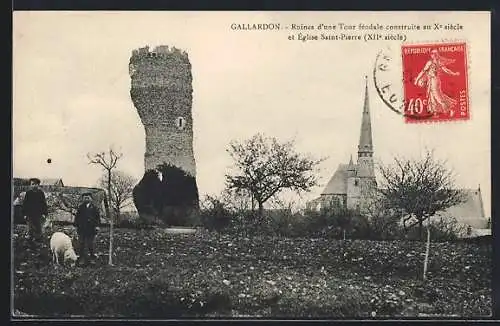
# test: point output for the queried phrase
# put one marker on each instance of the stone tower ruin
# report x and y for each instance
(161, 90)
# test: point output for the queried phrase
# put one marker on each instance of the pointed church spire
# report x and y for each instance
(351, 169)
(365, 139)
(351, 164)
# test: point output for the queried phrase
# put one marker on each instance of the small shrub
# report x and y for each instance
(331, 223)
(283, 223)
(385, 227)
(446, 229)
(138, 223)
(180, 216)
(441, 229)
(244, 223)
(214, 215)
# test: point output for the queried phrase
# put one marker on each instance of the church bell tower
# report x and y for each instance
(366, 170)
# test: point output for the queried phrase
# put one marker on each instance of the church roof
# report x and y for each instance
(480, 232)
(338, 183)
(471, 211)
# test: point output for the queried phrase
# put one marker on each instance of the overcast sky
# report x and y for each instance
(71, 91)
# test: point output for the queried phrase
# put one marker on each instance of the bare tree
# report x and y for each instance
(108, 162)
(265, 167)
(383, 220)
(122, 186)
(418, 188)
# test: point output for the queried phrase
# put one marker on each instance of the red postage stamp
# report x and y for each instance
(435, 82)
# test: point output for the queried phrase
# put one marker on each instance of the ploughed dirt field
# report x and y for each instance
(159, 274)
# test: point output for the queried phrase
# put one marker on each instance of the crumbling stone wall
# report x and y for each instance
(161, 90)
(73, 197)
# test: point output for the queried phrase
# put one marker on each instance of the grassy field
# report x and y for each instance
(161, 275)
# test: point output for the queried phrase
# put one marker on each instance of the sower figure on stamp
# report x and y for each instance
(429, 76)
(34, 210)
(87, 220)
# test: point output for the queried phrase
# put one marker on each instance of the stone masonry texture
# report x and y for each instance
(161, 90)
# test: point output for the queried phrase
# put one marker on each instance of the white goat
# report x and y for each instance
(60, 243)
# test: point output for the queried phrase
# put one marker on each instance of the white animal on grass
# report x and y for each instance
(60, 244)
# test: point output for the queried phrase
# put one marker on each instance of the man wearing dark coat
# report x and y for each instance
(34, 210)
(87, 219)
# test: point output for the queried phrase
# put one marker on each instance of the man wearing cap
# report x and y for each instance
(87, 220)
(34, 210)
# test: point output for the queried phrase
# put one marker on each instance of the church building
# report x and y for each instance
(354, 184)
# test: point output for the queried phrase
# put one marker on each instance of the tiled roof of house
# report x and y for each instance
(43, 181)
(51, 182)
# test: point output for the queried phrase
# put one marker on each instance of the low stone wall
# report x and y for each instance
(74, 194)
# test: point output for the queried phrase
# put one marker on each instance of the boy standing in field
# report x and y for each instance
(87, 219)
(34, 210)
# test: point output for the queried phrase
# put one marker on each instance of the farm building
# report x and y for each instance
(43, 182)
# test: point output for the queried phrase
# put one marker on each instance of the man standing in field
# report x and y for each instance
(87, 220)
(34, 210)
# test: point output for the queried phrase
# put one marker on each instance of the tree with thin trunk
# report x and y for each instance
(419, 188)
(108, 163)
(427, 250)
(122, 186)
(237, 200)
(427, 246)
(264, 167)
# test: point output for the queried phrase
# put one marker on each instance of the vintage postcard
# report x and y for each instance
(331, 165)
